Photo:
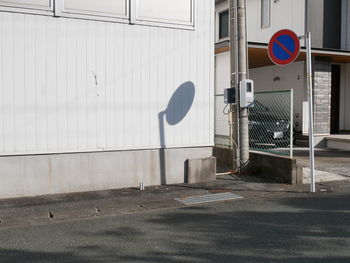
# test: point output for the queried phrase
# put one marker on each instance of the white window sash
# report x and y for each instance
(131, 16)
(62, 11)
(29, 7)
(167, 22)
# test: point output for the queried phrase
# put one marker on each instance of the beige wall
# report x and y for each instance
(285, 14)
(222, 72)
(315, 22)
(290, 77)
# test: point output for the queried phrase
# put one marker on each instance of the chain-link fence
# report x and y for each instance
(270, 123)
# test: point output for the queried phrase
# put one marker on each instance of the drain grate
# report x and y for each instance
(194, 200)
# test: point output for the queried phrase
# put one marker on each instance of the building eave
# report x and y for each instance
(258, 56)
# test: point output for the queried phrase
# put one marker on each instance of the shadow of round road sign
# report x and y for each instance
(284, 47)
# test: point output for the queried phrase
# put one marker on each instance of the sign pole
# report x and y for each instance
(283, 49)
(311, 114)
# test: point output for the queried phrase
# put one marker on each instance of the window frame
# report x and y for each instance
(163, 22)
(262, 25)
(56, 8)
(28, 8)
(91, 15)
(218, 26)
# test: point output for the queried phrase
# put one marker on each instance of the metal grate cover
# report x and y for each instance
(193, 200)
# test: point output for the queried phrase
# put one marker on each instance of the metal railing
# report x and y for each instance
(270, 123)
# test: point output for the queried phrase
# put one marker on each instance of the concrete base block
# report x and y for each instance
(201, 170)
(280, 168)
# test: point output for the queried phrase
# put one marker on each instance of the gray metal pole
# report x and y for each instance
(291, 128)
(234, 116)
(242, 75)
(311, 114)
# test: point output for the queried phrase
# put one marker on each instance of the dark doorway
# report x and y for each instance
(335, 99)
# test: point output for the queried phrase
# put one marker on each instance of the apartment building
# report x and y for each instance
(103, 94)
(327, 20)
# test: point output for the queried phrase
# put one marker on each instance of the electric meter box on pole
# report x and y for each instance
(246, 93)
(230, 96)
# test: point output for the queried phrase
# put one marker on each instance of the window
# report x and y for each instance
(27, 5)
(169, 13)
(164, 13)
(180, 12)
(107, 9)
(223, 24)
(265, 13)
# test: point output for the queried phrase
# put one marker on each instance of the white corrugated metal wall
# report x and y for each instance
(73, 85)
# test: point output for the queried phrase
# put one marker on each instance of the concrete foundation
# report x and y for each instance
(340, 142)
(279, 168)
(23, 176)
(224, 157)
(201, 170)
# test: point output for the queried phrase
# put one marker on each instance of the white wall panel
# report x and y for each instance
(8, 110)
(18, 84)
(70, 85)
(30, 84)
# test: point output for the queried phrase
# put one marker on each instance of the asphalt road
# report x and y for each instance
(289, 227)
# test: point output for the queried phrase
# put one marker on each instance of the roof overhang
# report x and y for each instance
(258, 56)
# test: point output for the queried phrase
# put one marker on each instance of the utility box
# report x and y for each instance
(246, 93)
(230, 96)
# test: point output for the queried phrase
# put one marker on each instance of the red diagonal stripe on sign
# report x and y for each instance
(283, 47)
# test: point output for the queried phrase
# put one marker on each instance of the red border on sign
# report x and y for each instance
(294, 55)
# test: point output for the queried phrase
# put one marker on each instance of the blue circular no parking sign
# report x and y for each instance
(284, 47)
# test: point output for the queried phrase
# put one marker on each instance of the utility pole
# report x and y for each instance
(242, 75)
(234, 114)
(239, 72)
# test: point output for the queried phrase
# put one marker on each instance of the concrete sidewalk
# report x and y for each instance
(330, 164)
(58, 208)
